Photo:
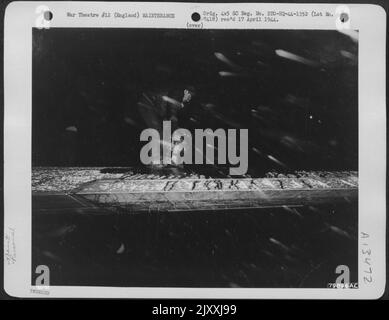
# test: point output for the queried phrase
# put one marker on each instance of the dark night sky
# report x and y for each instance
(306, 116)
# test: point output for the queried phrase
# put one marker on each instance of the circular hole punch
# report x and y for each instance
(48, 15)
(344, 17)
(196, 16)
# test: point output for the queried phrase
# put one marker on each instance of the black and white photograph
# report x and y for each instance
(196, 156)
(101, 217)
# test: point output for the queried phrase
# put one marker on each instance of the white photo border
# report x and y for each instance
(21, 17)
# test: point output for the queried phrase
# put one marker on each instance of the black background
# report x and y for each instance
(304, 116)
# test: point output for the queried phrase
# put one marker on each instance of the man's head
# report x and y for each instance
(189, 93)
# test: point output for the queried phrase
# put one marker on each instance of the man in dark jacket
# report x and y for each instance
(174, 105)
